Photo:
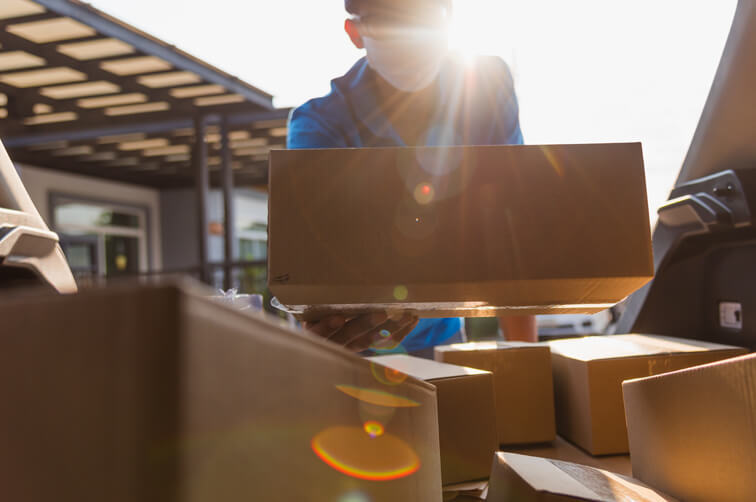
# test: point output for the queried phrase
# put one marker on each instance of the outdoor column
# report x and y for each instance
(201, 184)
(229, 220)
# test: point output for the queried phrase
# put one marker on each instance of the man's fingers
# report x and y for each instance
(385, 335)
(356, 327)
(327, 326)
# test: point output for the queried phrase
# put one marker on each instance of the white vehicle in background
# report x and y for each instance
(567, 325)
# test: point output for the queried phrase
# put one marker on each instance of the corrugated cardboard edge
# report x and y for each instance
(463, 372)
(692, 369)
(503, 346)
(314, 312)
(719, 348)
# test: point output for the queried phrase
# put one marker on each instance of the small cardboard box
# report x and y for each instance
(523, 386)
(588, 376)
(458, 231)
(693, 432)
(161, 394)
(466, 414)
(520, 478)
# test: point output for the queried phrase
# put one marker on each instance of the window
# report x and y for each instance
(253, 246)
(253, 249)
(101, 239)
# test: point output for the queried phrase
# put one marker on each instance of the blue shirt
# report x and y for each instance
(475, 104)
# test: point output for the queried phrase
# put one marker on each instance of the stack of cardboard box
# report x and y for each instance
(438, 232)
(588, 376)
(692, 432)
(159, 393)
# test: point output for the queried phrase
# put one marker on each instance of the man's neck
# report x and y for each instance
(409, 112)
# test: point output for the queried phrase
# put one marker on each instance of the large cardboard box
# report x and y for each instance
(588, 375)
(521, 478)
(693, 432)
(458, 231)
(523, 386)
(160, 394)
(466, 414)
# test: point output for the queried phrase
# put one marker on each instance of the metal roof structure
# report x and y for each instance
(83, 92)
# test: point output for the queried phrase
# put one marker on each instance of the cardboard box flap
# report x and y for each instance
(425, 369)
(738, 370)
(573, 480)
(623, 346)
(545, 476)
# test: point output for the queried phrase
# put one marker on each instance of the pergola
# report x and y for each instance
(86, 93)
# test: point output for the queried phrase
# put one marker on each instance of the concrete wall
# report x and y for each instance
(178, 216)
(41, 183)
(178, 211)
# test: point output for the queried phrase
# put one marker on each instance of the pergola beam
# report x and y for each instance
(92, 69)
(110, 27)
(147, 127)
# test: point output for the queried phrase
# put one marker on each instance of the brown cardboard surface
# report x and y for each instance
(160, 394)
(523, 386)
(693, 432)
(588, 375)
(452, 231)
(521, 478)
(466, 414)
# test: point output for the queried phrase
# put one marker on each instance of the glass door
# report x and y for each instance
(101, 239)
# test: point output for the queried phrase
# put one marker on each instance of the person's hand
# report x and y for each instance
(376, 330)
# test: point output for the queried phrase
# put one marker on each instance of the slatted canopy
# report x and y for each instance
(83, 92)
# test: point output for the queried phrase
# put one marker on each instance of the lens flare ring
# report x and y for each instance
(373, 429)
(349, 451)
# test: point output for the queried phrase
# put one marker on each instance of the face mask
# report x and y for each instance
(409, 64)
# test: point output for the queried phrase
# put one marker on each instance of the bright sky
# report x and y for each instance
(585, 70)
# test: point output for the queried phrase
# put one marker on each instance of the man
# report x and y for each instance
(409, 91)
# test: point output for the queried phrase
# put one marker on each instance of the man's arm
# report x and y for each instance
(519, 328)
(308, 128)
